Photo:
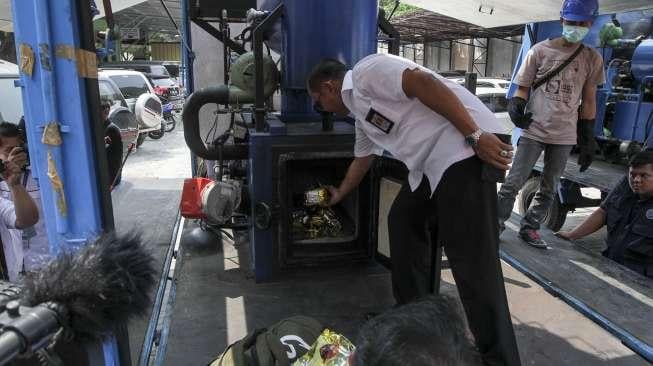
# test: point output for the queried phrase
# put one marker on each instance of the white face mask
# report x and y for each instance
(574, 33)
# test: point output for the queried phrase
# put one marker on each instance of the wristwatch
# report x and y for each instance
(472, 139)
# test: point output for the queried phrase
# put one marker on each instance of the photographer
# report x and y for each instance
(34, 238)
(22, 212)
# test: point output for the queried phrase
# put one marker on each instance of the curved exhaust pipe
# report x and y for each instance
(190, 116)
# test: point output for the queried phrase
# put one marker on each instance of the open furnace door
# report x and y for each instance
(388, 175)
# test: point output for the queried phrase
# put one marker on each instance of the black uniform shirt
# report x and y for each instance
(629, 221)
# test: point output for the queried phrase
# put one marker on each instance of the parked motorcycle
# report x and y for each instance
(168, 119)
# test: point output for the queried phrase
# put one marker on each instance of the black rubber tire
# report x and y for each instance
(557, 213)
(140, 139)
(155, 135)
(170, 123)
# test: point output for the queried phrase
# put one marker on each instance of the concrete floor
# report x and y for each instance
(218, 302)
(147, 200)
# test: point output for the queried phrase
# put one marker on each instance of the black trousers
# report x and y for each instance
(463, 214)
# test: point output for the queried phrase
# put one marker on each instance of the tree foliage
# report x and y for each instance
(389, 5)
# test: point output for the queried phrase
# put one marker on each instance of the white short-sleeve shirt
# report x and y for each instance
(419, 137)
(33, 250)
(11, 238)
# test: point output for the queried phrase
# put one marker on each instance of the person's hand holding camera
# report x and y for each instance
(13, 166)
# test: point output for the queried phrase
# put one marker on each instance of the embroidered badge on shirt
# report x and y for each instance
(379, 121)
(649, 214)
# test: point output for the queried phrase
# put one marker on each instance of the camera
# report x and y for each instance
(23, 137)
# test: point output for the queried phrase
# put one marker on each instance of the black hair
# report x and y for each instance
(8, 129)
(641, 158)
(327, 69)
(105, 102)
(423, 333)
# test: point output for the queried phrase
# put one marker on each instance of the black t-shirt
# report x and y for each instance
(629, 221)
(113, 146)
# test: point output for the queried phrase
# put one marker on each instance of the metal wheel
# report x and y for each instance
(155, 135)
(557, 213)
(171, 123)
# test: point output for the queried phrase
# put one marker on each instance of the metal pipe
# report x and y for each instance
(190, 117)
(87, 42)
(392, 32)
(633, 134)
(257, 46)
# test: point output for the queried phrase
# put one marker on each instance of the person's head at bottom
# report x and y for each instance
(424, 333)
(640, 173)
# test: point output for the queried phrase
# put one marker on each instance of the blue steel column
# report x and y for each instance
(187, 58)
(55, 94)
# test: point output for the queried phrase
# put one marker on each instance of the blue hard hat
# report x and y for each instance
(579, 10)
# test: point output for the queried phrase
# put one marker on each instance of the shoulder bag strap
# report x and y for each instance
(557, 70)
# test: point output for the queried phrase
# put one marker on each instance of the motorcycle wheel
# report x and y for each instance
(170, 122)
(155, 135)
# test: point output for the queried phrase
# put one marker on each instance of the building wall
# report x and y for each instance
(502, 56)
(165, 51)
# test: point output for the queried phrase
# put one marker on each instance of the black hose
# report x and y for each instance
(190, 117)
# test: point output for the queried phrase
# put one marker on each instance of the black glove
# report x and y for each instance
(586, 143)
(516, 109)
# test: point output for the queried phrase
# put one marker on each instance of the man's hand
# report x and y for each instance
(493, 151)
(564, 235)
(14, 164)
(334, 195)
(516, 110)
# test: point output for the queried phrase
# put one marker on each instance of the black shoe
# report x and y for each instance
(532, 238)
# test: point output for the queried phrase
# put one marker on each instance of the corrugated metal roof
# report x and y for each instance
(426, 26)
(499, 13)
(146, 14)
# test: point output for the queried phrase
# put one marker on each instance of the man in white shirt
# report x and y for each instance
(19, 214)
(445, 136)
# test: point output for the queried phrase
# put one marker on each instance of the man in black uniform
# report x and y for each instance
(628, 214)
(446, 138)
(112, 144)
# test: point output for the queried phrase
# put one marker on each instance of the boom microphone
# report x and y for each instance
(83, 296)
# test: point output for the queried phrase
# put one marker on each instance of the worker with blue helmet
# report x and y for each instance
(556, 75)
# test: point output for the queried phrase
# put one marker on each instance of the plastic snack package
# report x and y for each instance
(330, 349)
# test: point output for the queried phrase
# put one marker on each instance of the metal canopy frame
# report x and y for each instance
(498, 13)
(424, 26)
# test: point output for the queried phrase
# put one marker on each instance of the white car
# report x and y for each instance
(495, 100)
(11, 108)
(140, 97)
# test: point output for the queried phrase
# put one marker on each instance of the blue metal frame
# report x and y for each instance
(56, 93)
(187, 58)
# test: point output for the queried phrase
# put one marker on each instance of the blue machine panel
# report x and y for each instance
(315, 29)
(642, 63)
(264, 175)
